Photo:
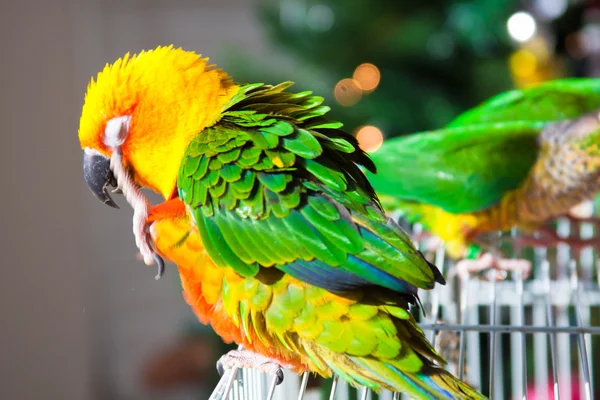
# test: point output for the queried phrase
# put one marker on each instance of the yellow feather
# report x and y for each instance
(171, 96)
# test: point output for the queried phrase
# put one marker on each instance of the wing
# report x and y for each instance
(552, 101)
(275, 184)
(365, 337)
(462, 169)
(484, 152)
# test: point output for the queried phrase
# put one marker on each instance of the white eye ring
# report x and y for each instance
(116, 131)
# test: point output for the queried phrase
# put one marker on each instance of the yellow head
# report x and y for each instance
(148, 107)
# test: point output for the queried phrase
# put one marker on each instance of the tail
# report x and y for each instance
(431, 382)
(437, 383)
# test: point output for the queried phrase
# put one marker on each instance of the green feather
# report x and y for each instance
(324, 207)
(291, 197)
(215, 164)
(551, 101)
(253, 244)
(463, 169)
(482, 154)
(202, 168)
(219, 250)
(280, 128)
(231, 172)
(263, 164)
(303, 144)
(281, 159)
(286, 239)
(275, 182)
(229, 200)
(334, 231)
(246, 182)
(265, 191)
(330, 177)
(200, 191)
(227, 229)
(218, 190)
(191, 165)
(227, 156)
(275, 205)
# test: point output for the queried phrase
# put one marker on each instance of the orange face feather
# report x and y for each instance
(171, 95)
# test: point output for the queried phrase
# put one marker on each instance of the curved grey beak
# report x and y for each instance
(97, 173)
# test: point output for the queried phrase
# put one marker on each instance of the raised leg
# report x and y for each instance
(242, 358)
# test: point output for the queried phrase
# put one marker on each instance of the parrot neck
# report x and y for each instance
(163, 127)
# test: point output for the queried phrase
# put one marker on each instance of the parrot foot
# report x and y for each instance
(141, 211)
(489, 261)
(243, 358)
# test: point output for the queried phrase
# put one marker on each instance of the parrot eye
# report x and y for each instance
(116, 131)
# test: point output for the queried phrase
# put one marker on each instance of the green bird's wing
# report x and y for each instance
(276, 184)
(552, 101)
(463, 169)
(484, 152)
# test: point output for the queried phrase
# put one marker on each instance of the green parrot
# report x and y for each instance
(520, 159)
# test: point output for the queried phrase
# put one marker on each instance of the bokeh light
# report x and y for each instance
(591, 38)
(523, 63)
(521, 26)
(550, 9)
(320, 18)
(347, 92)
(367, 77)
(440, 46)
(540, 47)
(370, 138)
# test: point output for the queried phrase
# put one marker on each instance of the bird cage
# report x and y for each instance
(509, 336)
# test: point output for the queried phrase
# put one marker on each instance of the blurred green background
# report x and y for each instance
(410, 66)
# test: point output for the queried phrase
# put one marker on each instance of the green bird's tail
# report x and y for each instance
(429, 383)
(437, 383)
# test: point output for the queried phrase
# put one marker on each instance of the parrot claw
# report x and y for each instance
(160, 264)
(243, 358)
(488, 261)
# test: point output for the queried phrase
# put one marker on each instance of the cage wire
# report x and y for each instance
(508, 337)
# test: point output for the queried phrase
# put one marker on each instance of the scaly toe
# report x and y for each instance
(514, 264)
(248, 359)
(465, 266)
(488, 261)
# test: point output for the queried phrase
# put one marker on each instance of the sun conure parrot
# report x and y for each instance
(521, 159)
(279, 238)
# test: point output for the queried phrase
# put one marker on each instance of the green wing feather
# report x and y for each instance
(552, 101)
(482, 154)
(458, 169)
(276, 184)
